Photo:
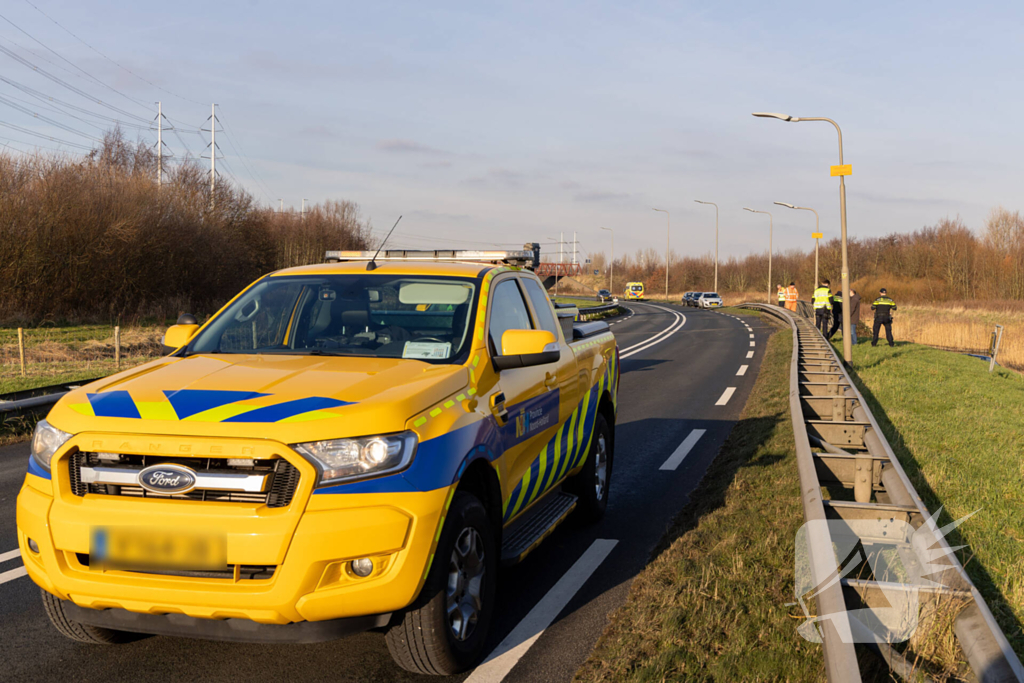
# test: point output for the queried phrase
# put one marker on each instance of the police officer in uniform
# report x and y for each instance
(782, 295)
(883, 307)
(822, 306)
(837, 312)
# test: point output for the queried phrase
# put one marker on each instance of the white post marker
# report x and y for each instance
(726, 395)
(525, 634)
(684, 449)
(742, 371)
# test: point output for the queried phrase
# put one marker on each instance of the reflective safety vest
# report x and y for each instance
(782, 295)
(837, 298)
(791, 293)
(822, 298)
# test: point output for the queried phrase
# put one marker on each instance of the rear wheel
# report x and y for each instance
(591, 483)
(445, 630)
(83, 633)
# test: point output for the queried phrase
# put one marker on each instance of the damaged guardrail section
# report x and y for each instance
(870, 555)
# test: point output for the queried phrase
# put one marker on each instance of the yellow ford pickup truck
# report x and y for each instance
(348, 446)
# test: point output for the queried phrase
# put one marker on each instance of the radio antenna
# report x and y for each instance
(372, 265)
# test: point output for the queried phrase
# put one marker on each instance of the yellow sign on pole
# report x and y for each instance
(817, 235)
(845, 169)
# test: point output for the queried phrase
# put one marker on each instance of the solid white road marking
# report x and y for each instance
(742, 371)
(10, 555)
(525, 634)
(726, 395)
(676, 325)
(750, 354)
(12, 574)
(684, 449)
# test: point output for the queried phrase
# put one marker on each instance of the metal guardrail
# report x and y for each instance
(585, 313)
(851, 452)
(20, 403)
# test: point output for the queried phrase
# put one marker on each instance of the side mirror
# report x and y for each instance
(178, 335)
(526, 348)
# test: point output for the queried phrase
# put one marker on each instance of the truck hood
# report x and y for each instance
(288, 398)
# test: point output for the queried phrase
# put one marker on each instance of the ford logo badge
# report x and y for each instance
(167, 479)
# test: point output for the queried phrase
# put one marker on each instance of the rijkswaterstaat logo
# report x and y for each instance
(900, 561)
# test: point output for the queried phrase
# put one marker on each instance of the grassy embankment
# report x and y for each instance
(711, 604)
(64, 354)
(959, 434)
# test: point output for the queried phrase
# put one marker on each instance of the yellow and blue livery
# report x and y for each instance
(339, 448)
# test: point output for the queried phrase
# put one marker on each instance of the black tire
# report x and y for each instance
(593, 499)
(83, 633)
(423, 639)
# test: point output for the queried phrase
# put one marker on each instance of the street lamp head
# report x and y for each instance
(770, 115)
(788, 206)
(746, 209)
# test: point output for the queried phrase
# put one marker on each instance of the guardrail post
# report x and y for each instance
(117, 346)
(21, 349)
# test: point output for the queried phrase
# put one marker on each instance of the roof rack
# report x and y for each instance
(527, 258)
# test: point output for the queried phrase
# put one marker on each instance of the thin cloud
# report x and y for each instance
(399, 146)
(601, 196)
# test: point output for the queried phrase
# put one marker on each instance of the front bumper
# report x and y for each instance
(232, 630)
(309, 543)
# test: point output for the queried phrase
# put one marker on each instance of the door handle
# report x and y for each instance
(550, 380)
(498, 406)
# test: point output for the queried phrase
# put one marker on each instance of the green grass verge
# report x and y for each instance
(711, 604)
(958, 431)
(580, 302)
(736, 310)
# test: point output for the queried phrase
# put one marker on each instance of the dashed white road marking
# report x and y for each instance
(742, 371)
(751, 335)
(10, 555)
(750, 354)
(684, 449)
(751, 343)
(12, 574)
(726, 395)
(525, 634)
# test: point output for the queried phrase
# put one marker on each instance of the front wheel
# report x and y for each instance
(445, 630)
(83, 633)
(591, 483)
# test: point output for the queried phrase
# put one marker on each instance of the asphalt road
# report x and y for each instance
(678, 366)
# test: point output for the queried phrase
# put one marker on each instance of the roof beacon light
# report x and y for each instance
(520, 257)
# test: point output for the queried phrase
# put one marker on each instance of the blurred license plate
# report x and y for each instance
(147, 548)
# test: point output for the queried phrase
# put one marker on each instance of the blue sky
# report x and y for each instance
(505, 122)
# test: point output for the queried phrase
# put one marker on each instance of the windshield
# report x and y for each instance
(712, 295)
(383, 316)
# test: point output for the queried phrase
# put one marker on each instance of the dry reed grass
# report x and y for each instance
(963, 329)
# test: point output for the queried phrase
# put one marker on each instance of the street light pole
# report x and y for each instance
(817, 231)
(716, 239)
(668, 231)
(842, 173)
(611, 272)
(770, 230)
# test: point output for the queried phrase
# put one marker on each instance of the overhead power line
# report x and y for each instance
(78, 91)
(112, 61)
(78, 68)
(47, 119)
(44, 136)
(58, 104)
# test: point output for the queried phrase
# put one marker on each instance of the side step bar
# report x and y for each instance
(526, 534)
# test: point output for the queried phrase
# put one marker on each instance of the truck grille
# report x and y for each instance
(283, 478)
(246, 572)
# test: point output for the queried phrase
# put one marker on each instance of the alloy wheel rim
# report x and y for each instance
(601, 467)
(465, 584)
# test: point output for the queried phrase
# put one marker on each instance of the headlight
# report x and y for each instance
(342, 460)
(45, 442)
